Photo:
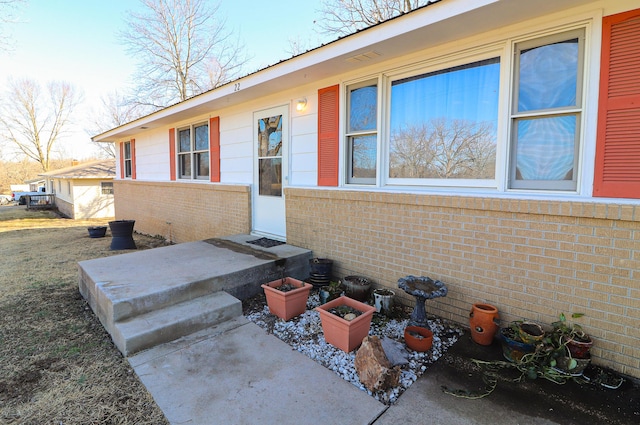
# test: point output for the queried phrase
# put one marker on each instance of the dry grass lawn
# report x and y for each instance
(57, 363)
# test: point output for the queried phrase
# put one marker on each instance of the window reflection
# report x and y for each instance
(443, 123)
(546, 148)
(270, 156)
(363, 108)
(548, 76)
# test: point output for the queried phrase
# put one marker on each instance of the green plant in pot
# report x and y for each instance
(571, 344)
(331, 291)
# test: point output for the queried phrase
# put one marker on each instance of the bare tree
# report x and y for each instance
(444, 149)
(116, 110)
(34, 120)
(8, 10)
(345, 17)
(183, 50)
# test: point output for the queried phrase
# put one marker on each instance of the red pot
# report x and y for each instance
(482, 320)
(423, 342)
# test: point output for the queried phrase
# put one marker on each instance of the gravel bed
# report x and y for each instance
(304, 334)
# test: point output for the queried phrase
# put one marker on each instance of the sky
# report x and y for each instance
(77, 41)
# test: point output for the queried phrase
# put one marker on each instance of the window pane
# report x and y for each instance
(270, 136)
(202, 137)
(185, 140)
(363, 156)
(363, 108)
(107, 188)
(184, 163)
(548, 76)
(270, 176)
(443, 124)
(127, 150)
(127, 168)
(202, 164)
(545, 148)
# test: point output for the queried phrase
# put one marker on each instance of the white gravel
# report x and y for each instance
(304, 334)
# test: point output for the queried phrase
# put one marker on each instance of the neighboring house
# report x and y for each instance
(83, 191)
(35, 185)
(493, 145)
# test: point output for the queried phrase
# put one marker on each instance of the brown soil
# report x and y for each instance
(58, 364)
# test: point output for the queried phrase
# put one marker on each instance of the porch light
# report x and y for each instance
(302, 104)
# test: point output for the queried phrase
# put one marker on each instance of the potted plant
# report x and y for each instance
(345, 322)
(571, 346)
(330, 292)
(513, 348)
(287, 297)
(357, 287)
(529, 332)
(572, 335)
(383, 300)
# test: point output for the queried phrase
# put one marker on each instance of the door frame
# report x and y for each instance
(268, 216)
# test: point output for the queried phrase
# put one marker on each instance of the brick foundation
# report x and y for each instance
(184, 212)
(531, 259)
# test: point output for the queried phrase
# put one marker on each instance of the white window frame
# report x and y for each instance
(503, 49)
(127, 162)
(108, 186)
(348, 134)
(192, 153)
(578, 110)
(443, 63)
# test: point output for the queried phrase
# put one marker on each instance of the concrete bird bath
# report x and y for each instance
(422, 288)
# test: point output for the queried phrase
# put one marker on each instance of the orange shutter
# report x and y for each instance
(133, 159)
(172, 154)
(328, 135)
(122, 160)
(617, 167)
(214, 149)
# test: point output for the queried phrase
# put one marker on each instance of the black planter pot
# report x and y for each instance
(122, 234)
(321, 270)
(97, 231)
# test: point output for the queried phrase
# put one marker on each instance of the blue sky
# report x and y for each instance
(76, 40)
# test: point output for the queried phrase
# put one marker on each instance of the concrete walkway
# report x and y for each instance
(236, 373)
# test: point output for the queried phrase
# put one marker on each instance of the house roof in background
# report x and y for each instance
(102, 169)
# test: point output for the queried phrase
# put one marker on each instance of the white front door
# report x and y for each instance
(271, 148)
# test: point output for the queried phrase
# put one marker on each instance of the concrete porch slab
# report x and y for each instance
(144, 290)
(245, 376)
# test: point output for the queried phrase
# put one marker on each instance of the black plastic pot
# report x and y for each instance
(97, 231)
(122, 234)
(321, 271)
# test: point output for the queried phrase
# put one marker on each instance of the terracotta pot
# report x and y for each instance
(287, 305)
(346, 335)
(482, 321)
(423, 342)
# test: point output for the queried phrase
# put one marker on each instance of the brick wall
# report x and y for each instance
(184, 212)
(531, 259)
(65, 208)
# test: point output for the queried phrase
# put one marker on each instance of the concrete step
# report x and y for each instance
(130, 292)
(169, 323)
